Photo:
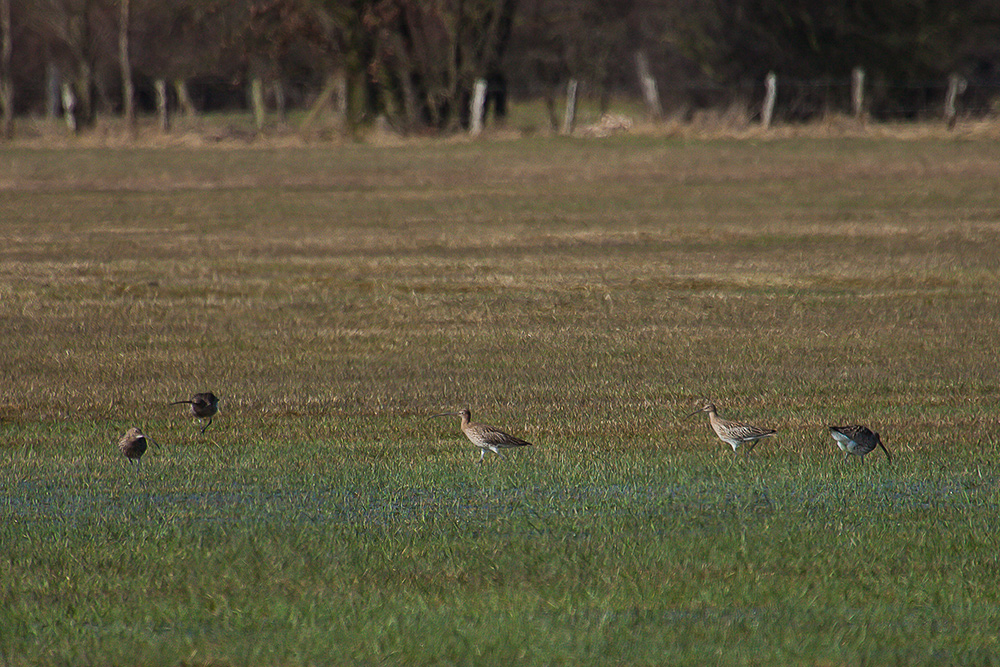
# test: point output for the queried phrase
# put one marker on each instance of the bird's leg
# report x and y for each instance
(482, 455)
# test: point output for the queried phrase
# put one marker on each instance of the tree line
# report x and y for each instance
(415, 62)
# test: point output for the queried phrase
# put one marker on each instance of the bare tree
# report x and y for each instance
(80, 35)
(428, 55)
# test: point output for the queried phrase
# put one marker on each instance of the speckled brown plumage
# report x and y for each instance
(486, 437)
(734, 433)
(133, 445)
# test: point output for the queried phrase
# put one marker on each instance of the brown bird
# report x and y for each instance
(203, 406)
(734, 433)
(857, 440)
(133, 446)
(485, 437)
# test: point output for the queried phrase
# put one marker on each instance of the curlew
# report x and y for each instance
(485, 437)
(734, 433)
(133, 446)
(203, 406)
(857, 440)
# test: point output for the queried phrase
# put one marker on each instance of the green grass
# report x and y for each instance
(584, 295)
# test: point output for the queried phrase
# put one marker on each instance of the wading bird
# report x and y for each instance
(203, 406)
(733, 433)
(485, 437)
(857, 440)
(133, 446)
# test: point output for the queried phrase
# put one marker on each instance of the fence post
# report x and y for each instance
(770, 94)
(278, 90)
(69, 106)
(340, 108)
(570, 118)
(257, 102)
(857, 91)
(648, 83)
(184, 101)
(956, 86)
(162, 110)
(478, 102)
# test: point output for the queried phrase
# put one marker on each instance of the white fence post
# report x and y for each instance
(770, 94)
(648, 83)
(956, 86)
(857, 91)
(69, 106)
(478, 102)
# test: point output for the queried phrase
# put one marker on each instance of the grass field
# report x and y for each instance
(584, 295)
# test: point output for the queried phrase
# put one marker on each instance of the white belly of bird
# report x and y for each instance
(845, 443)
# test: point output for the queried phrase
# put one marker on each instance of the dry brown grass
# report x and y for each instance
(803, 279)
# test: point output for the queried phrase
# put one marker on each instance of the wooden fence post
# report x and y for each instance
(770, 94)
(280, 102)
(184, 101)
(648, 83)
(857, 92)
(69, 106)
(956, 86)
(162, 110)
(476, 112)
(570, 118)
(257, 102)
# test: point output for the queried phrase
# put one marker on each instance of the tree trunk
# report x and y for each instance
(128, 90)
(83, 91)
(6, 83)
(550, 107)
(53, 85)
(81, 48)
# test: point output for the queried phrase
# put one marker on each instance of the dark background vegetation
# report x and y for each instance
(415, 62)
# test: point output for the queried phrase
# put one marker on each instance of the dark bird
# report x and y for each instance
(485, 437)
(133, 446)
(203, 406)
(731, 432)
(857, 440)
